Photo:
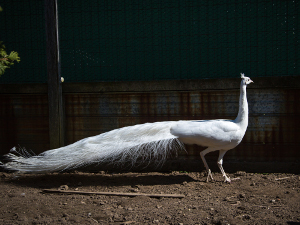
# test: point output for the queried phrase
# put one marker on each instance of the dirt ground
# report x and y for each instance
(249, 199)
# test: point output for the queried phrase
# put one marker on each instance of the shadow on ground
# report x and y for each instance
(78, 179)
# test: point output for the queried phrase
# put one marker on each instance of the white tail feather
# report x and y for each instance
(134, 144)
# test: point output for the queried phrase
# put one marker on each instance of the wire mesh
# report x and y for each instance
(128, 40)
(158, 40)
(23, 30)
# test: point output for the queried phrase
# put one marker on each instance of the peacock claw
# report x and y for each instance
(227, 180)
(209, 175)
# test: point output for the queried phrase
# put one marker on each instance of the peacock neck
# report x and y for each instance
(242, 117)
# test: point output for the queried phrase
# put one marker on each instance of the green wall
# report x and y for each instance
(122, 40)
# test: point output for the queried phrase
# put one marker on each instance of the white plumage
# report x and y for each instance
(141, 143)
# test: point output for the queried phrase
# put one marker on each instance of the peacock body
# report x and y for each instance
(141, 143)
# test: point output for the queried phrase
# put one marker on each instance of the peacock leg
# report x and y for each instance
(202, 154)
(220, 162)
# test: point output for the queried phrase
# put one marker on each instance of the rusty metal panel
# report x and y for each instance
(273, 117)
(272, 133)
(273, 127)
(24, 122)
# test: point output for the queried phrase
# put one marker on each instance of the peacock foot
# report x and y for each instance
(209, 175)
(227, 180)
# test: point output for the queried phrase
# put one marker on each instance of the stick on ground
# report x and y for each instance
(283, 178)
(115, 194)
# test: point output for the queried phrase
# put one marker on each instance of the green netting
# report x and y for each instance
(155, 40)
(22, 30)
(120, 40)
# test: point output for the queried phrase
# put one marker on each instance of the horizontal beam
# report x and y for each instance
(289, 82)
(23, 89)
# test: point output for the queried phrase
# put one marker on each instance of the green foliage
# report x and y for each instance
(6, 61)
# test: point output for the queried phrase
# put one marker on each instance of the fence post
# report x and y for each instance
(56, 112)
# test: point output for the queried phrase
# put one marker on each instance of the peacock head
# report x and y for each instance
(246, 80)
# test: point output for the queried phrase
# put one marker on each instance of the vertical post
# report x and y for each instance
(56, 114)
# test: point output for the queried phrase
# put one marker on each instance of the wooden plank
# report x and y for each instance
(261, 84)
(115, 194)
(56, 115)
(288, 82)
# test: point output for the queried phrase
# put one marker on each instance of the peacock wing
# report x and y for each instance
(206, 132)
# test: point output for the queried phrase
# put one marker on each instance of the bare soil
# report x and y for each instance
(250, 199)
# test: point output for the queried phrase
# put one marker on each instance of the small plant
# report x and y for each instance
(6, 60)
